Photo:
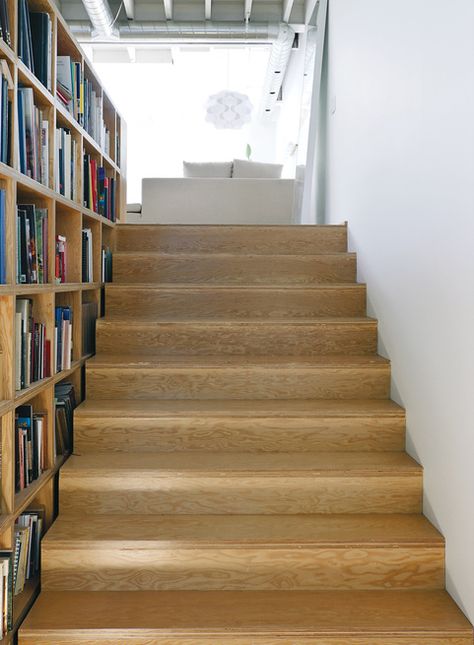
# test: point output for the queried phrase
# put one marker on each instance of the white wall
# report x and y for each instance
(400, 169)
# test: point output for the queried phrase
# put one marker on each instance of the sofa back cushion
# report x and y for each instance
(256, 170)
(212, 169)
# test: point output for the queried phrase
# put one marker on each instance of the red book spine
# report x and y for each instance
(47, 358)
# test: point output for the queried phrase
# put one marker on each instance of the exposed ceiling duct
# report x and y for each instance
(170, 31)
(279, 58)
(102, 19)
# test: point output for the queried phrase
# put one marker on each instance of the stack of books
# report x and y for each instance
(106, 272)
(3, 238)
(99, 190)
(6, 83)
(60, 260)
(62, 338)
(27, 546)
(30, 446)
(32, 244)
(6, 592)
(65, 402)
(5, 33)
(87, 256)
(66, 162)
(35, 42)
(32, 348)
(33, 131)
(77, 95)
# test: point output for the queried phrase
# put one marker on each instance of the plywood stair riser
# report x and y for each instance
(262, 618)
(118, 434)
(188, 302)
(135, 267)
(350, 337)
(233, 239)
(349, 381)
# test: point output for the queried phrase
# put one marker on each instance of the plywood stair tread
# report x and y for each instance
(239, 408)
(222, 286)
(229, 361)
(242, 255)
(252, 615)
(212, 322)
(189, 531)
(226, 464)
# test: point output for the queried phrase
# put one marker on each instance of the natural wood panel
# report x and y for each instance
(234, 268)
(348, 336)
(224, 302)
(235, 618)
(241, 483)
(232, 239)
(238, 378)
(197, 433)
(241, 553)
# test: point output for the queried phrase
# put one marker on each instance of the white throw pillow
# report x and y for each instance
(213, 169)
(256, 170)
(134, 208)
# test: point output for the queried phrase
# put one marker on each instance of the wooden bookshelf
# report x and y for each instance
(66, 217)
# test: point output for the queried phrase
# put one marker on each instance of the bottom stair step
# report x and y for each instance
(245, 618)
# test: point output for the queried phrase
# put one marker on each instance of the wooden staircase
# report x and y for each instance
(239, 475)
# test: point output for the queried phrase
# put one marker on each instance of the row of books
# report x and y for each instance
(6, 84)
(3, 237)
(5, 33)
(35, 42)
(30, 446)
(99, 190)
(21, 564)
(62, 338)
(66, 163)
(32, 244)
(77, 95)
(65, 402)
(32, 348)
(33, 136)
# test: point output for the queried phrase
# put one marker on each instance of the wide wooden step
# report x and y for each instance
(221, 302)
(303, 240)
(350, 336)
(240, 483)
(232, 377)
(245, 618)
(234, 268)
(254, 426)
(257, 552)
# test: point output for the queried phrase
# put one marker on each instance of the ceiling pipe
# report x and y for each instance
(195, 32)
(102, 19)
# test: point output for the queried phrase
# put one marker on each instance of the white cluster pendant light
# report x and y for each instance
(228, 110)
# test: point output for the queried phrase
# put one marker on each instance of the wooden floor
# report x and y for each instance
(239, 475)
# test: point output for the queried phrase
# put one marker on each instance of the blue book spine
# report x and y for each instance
(3, 250)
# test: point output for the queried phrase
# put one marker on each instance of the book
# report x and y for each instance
(6, 591)
(28, 531)
(41, 35)
(6, 85)
(30, 446)
(99, 190)
(87, 256)
(63, 338)
(33, 137)
(5, 33)
(32, 244)
(106, 264)
(60, 262)
(66, 161)
(32, 348)
(65, 402)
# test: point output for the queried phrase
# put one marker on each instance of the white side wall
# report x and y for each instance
(400, 154)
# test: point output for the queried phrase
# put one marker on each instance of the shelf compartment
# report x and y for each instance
(68, 225)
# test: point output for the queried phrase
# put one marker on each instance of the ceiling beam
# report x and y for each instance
(168, 5)
(287, 8)
(247, 10)
(129, 6)
(207, 9)
(310, 11)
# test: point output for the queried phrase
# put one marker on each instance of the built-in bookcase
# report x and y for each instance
(67, 218)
